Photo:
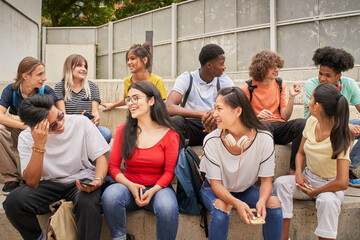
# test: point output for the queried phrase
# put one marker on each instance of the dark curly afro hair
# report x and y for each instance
(337, 59)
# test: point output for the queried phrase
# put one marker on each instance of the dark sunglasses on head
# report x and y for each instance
(53, 126)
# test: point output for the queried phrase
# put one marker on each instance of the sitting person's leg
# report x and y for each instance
(328, 206)
(24, 203)
(116, 200)
(189, 128)
(355, 152)
(87, 210)
(195, 132)
(272, 229)
(8, 163)
(180, 126)
(290, 131)
(165, 207)
(106, 133)
(220, 213)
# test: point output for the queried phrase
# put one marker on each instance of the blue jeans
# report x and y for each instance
(106, 133)
(117, 199)
(219, 222)
(355, 152)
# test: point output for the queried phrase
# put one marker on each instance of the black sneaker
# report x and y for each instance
(9, 186)
(129, 236)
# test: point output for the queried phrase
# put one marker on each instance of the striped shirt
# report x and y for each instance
(79, 102)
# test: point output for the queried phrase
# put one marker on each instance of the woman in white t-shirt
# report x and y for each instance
(235, 155)
(326, 145)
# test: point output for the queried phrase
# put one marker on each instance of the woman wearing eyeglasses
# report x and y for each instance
(138, 59)
(235, 155)
(29, 80)
(76, 95)
(149, 147)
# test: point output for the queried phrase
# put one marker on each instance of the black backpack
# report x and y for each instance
(189, 184)
(252, 87)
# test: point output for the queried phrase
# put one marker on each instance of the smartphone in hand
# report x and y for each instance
(257, 220)
(88, 115)
(86, 182)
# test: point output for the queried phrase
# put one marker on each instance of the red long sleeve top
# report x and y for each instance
(148, 166)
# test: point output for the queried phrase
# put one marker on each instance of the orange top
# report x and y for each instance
(267, 97)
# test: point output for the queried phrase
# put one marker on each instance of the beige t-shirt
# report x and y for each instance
(318, 154)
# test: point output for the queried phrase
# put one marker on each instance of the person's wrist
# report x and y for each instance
(38, 149)
(99, 179)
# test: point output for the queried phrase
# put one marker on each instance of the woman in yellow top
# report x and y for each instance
(138, 59)
(326, 145)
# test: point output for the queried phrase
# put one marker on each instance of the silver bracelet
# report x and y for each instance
(99, 178)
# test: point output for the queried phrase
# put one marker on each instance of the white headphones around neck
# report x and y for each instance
(243, 142)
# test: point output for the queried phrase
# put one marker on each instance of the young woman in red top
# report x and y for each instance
(149, 147)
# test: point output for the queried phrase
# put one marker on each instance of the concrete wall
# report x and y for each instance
(20, 25)
(241, 27)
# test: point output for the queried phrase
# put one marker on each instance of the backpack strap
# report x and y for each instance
(42, 89)
(279, 82)
(218, 84)
(251, 88)
(187, 92)
(194, 163)
(14, 97)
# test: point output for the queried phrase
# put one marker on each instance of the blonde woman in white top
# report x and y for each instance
(325, 144)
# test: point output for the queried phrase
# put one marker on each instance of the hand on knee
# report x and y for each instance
(273, 202)
(221, 205)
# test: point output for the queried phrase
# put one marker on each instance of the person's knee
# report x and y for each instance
(281, 183)
(300, 124)
(14, 201)
(273, 202)
(114, 195)
(222, 206)
(328, 203)
(89, 201)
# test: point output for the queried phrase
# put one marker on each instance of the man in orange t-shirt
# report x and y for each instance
(270, 105)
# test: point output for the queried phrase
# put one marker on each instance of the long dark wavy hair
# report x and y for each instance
(335, 105)
(235, 97)
(158, 114)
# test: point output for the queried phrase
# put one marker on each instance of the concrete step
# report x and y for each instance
(142, 223)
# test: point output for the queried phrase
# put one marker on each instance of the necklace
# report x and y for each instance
(26, 96)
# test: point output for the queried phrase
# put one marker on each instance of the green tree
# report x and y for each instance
(77, 13)
(133, 7)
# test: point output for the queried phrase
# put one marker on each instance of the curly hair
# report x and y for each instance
(262, 62)
(337, 59)
(209, 52)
